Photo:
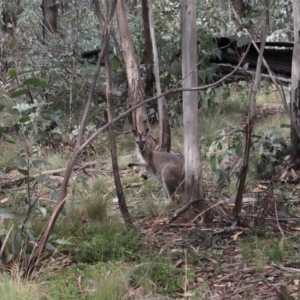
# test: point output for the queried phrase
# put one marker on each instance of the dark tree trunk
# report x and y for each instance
(148, 54)
(239, 7)
(289, 11)
(50, 15)
(10, 12)
(295, 87)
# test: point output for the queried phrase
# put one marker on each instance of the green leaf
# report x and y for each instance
(18, 93)
(284, 211)
(12, 73)
(285, 126)
(230, 51)
(18, 242)
(242, 41)
(6, 213)
(82, 179)
(55, 195)
(213, 162)
(15, 112)
(39, 162)
(63, 242)
(24, 119)
(63, 211)
(43, 211)
(32, 200)
(1, 107)
(2, 175)
(50, 117)
(35, 82)
(10, 141)
(8, 257)
(217, 177)
(50, 247)
(20, 161)
(31, 236)
(23, 172)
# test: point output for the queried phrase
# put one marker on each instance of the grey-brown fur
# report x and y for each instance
(166, 168)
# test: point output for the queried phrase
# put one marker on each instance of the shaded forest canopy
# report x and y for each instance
(277, 54)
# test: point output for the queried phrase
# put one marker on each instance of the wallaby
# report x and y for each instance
(151, 143)
(164, 167)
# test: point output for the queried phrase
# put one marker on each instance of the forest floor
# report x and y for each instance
(258, 259)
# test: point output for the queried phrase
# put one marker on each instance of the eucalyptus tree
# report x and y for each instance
(50, 17)
(193, 176)
(295, 87)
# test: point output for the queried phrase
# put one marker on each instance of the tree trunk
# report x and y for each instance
(289, 10)
(193, 180)
(148, 56)
(295, 86)
(50, 14)
(250, 120)
(164, 126)
(135, 89)
(113, 147)
(10, 12)
(239, 7)
(121, 199)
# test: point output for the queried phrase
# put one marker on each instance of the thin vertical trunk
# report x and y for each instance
(250, 120)
(148, 55)
(289, 10)
(50, 15)
(239, 7)
(193, 180)
(113, 147)
(295, 86)
(164, 126)
(135, 89)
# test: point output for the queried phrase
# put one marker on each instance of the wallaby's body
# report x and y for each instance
(166, 168)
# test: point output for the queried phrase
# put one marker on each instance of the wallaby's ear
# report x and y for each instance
(134, 132)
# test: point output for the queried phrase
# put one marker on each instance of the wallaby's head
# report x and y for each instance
(140, 139)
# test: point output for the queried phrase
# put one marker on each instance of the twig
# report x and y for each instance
(275, 205)
(183, 209)
(265, 76)
(203, 212)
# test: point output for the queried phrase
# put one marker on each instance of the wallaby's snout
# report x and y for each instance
(140, 139)
(141, 145)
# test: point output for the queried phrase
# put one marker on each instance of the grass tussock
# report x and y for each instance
(18, 289)
(96, 205)
(260, 250)
(214, 122)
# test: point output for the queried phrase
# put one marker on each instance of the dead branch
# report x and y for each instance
(249, 125)
(183, 209)
(20, 181)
